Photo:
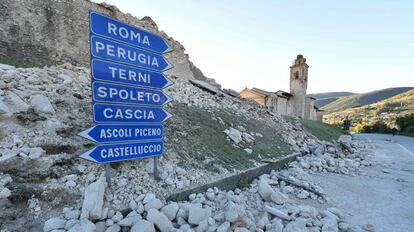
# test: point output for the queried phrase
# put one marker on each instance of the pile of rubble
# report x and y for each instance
(240, 137)
(41, 111)
(274, 202)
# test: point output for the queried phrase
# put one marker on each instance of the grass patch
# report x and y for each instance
(16, 62)
(322, 130)
(197, 135)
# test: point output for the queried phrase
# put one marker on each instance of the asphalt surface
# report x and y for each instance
(383, 194)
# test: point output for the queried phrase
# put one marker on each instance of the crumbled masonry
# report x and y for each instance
(47, 187)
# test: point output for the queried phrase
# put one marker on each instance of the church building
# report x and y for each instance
(294, 103)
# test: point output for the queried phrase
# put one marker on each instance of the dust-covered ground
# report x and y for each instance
(382, 195)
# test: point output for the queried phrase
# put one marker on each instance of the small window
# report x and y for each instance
(297, 74)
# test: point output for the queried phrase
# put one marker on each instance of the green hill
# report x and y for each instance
(385, 111)
(324, 101)
(363, 99)
(329, 95)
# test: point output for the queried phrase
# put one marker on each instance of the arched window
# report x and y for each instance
(297, 74)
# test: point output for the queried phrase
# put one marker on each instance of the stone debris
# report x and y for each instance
(93, 200)
(160, 220)
(83, 225)
(143, 226)
(54, 223)
(42, 109)
(234, 134)
(41, 104)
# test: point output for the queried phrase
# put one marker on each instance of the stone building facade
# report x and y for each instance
(294, 103)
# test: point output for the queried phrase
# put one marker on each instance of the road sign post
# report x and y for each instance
(127, 81)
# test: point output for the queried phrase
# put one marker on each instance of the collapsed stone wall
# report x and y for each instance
(51, 32)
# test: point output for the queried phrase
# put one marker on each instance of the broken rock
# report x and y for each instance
(54, 223)
(277, 213)
(197, 214)
(41, 104)
(93, 200)
(160, 220)
(143, 226)
(235, 135)
(84, 225)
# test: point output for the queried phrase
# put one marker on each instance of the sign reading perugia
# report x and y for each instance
(127, 82)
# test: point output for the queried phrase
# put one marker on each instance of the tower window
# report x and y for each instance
(297, 74)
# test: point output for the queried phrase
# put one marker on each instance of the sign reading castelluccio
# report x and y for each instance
(127, 81)
(107, 153)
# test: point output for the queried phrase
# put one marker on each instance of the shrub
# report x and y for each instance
(377, 127)
(405, 123)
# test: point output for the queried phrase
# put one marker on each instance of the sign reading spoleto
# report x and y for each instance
(127, 82)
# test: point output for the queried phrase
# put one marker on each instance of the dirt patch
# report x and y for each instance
(58, 149)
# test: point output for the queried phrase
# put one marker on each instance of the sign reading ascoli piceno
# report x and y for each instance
(121, 133)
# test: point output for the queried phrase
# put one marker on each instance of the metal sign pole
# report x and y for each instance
(156, 173)
(108, 174)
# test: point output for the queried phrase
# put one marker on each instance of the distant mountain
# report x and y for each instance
(324, 101)
(358, 100)
(329, 95)
(385, 111)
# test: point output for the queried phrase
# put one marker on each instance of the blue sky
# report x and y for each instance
(351, 45)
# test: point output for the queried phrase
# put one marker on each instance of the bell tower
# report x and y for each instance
(298, 85)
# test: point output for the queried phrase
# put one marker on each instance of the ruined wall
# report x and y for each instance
(49, 32)
(249, 94)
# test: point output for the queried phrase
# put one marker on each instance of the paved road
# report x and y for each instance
(383, 195)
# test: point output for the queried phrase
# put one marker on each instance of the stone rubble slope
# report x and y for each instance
(42, 110)
(274, 202)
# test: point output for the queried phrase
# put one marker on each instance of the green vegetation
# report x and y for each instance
(385, 112)
(16, 62)
(325, 101)
(376, 127)
(406, 124)
(364, 99)
(322, 130)
(199, 136)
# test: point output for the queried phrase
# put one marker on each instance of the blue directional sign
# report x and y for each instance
(112, 72)
(107, 153)
(123, 133)
(114, 93)
(113, 29)
(108, 113)
(118, 52)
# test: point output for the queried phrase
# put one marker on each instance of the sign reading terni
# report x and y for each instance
(110, 28)
(107, 153)
(109, 92)
(122, 133)
(123, 74)
(118, 52)
(127, 82)
(108, 113)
